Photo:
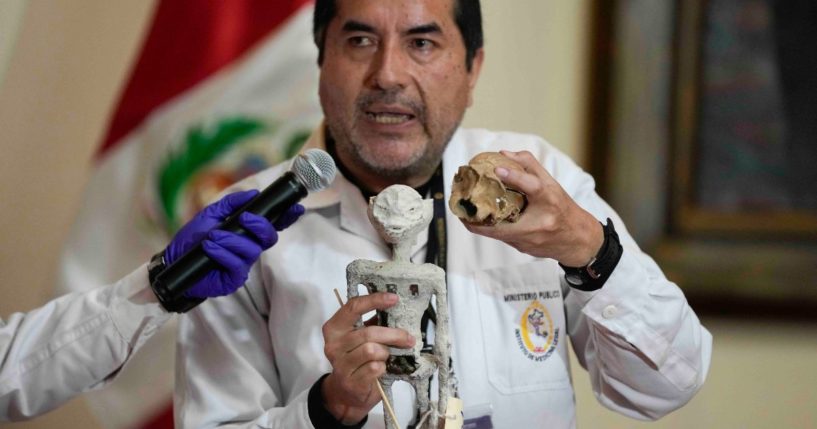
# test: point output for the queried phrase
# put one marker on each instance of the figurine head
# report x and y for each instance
(399, 213)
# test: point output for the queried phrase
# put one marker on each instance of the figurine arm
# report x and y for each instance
(442, 348)
(352, 280)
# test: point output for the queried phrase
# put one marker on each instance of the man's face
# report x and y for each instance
(394, 86)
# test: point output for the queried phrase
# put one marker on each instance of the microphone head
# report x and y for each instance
(315, 169)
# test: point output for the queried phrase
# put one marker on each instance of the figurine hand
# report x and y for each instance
(552, 225)
(358, 357)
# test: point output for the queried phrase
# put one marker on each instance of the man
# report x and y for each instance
(396, 78)
(80, 341)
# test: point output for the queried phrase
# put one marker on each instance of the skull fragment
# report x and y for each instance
(479, 197)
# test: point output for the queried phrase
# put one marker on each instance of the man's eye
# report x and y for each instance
(361, 41)
(422, 44)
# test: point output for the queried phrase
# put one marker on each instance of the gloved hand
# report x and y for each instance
(235, 253)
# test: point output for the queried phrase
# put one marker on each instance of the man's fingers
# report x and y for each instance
(359, 382)
(370, 371)
(355, 345)
(243, 247)
(377, 335)
(289, 217)
(345, 320)
(230, 203)
(524, 182)
(529, 163)
(356, 307)
(366, 374)
(365, 353)
(370, 352)
(258, 226)
(393, 337)
(523, 158)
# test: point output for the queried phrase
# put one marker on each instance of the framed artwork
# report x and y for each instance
(745, 130)
(703, 136)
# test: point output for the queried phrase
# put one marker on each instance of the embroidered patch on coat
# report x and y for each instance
(536, 335)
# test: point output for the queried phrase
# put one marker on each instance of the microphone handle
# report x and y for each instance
(183, 273)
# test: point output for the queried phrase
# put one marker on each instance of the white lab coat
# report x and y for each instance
(73, 344)
(249, 360)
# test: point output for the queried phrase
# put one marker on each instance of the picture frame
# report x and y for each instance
(731, 172)
(654, 120)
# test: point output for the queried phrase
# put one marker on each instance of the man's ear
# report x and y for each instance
(473, 75)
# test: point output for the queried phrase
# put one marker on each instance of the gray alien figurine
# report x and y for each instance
(399, 214)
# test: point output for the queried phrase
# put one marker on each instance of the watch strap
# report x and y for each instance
(595, 273)
(156, 265)
(171, 303)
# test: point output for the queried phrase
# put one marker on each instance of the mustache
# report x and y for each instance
(391, 97)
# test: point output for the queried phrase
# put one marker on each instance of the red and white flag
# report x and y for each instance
(221, 90)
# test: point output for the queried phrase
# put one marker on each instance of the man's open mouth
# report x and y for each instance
(389, 118)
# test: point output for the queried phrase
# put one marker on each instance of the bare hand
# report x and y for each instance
(552, 225)
(358, 357)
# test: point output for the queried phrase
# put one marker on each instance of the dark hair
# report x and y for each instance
(467, 15)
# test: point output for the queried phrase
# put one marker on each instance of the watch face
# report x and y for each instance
(574, 279)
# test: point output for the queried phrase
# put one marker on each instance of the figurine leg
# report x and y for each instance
(422, 405)
(386, 383)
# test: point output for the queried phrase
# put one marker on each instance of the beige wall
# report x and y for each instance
(62, 77)
(535, 68)
(60, 80)
(11, 12)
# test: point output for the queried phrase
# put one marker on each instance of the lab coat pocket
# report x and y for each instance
(523, 325)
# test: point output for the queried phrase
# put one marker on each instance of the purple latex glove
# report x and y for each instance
(235, 253)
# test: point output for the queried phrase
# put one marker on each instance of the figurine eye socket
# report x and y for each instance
(415, 290)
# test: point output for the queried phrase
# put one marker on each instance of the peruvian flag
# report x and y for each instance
(221, 90)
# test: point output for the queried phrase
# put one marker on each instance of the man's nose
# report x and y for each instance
(389, 70)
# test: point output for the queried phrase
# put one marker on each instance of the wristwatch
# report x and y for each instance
(593, 275)
(176, 303)
(156, 265)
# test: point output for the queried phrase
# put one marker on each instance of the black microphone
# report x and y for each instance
(311, 171)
